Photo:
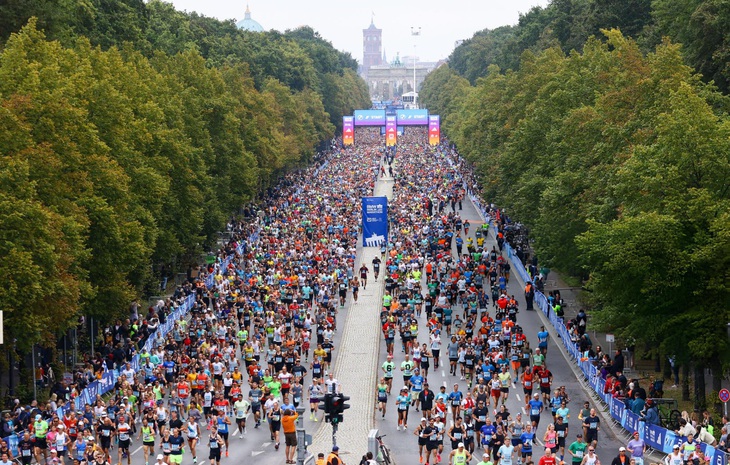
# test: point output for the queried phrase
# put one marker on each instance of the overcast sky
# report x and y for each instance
(341, 22)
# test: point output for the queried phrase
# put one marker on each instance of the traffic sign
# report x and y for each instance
(724, 395)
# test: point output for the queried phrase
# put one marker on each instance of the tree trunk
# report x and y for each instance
(700, 398)
(716, 385)
(685, 382)
(668, 370)
(658, 362)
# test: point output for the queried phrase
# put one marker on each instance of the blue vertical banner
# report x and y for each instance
(374, 221)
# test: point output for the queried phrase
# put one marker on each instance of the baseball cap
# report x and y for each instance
(160, 457)
(676, 446)
(335, 448)
(38, 417)
(622, 449)
(461, 444)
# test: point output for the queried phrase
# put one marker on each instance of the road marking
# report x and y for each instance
(137, 450)
(265, 444)
(523, 411)
(254, 453)
(443, 373)
(518, 397)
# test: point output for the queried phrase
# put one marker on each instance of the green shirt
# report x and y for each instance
(578, 449)
(388, 367)
(40, 428)
(275, 387)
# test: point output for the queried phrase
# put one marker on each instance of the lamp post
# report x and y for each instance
(415, 32)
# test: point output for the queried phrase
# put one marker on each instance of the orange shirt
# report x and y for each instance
(289, 423)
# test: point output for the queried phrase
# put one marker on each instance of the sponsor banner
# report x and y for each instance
(412, 117)
(434, 130)
(618, 411)
(654, 437)
(374, 221)
(633, 423)
(369, 117)
(391, 131)
(348, 130)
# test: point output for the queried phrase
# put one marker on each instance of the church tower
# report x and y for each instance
(372, 47)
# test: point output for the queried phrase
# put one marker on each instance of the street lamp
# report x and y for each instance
(415, 32)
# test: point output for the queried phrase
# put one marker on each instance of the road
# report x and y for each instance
(255, 446)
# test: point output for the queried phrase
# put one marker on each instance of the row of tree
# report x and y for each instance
(619, 162)
(699, 25)
(133, 146)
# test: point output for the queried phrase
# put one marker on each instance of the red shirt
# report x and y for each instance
(547, 460)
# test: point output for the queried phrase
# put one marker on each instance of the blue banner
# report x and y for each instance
(412, 117)
(374, 221)
(369, 117)
(633, 423)
(654, 437)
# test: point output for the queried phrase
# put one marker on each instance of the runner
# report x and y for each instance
(215, 444)
(242, 407)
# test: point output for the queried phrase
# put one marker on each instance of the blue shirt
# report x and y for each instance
(527, 439)
(417, 382)
(535, 407)
(487, 433)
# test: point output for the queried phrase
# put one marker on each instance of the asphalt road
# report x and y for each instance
(256, 446)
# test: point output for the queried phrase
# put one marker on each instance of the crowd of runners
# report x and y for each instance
(257, 344)
(260, 342)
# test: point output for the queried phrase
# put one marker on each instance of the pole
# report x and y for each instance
(415, 32)
(76, 344)
(35, 384)
(301, 438)
(334, 434)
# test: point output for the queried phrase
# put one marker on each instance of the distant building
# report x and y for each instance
(249, 24)
(391, 80)
(387, 81)
(372, 47)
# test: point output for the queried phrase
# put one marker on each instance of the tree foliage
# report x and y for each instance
(699, 25)
(129, 135)
(619, 161)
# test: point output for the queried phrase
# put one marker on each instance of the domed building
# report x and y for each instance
(249, 24)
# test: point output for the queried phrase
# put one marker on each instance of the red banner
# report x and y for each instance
(391, 131)
(348, 130)
(434, 129)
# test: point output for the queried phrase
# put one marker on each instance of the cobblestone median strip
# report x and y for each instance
(356, 362)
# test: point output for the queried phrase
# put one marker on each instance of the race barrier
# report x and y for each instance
(108, 379)
(656, 437)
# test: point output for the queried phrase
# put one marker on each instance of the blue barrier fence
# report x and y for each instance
(109, 378)
(656, 437)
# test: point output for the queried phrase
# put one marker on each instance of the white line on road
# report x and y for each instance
(524, 412)
(443, 373)
(518, 397)
(137, 450)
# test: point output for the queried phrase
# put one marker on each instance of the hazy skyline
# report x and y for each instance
(342, 22)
